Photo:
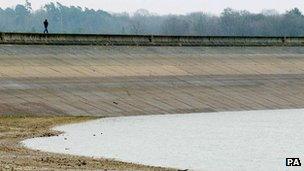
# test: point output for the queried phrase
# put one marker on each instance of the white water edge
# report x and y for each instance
(251, 140)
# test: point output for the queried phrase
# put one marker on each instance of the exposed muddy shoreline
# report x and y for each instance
(14, 156)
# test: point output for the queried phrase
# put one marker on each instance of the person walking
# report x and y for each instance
(46, 24)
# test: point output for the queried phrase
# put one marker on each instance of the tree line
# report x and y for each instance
(74, 19)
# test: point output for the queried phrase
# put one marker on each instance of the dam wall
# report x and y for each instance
(145, 40)
(112, 81)
(142, 75)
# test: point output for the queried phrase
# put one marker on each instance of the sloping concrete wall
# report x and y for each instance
(131, 80)
(145, 40)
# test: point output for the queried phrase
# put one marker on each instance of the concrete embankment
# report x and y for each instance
(142, 80)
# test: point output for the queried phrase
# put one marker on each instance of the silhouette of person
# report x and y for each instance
(46, 24)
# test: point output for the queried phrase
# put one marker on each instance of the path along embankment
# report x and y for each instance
(145, 40)
(115, 75)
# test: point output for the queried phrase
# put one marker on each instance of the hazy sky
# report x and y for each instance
(171, 6)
